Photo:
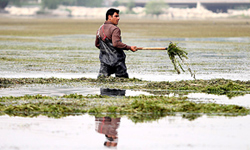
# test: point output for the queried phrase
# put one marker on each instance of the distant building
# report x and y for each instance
(34, 1)
(108, 3)
(213, 5)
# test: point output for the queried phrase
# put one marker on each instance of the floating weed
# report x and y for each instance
(146, 117)
(7, 59)
(25, 97)
(227, 86)
(214, 86)
(133, 106)
(113, 79)
(24, 47)
(9, 81)
(191, 116)
(21, 108)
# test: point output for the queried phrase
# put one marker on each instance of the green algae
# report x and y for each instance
(4, 81)
(135, 107)
(214, 86)
(175, 52)
(194, 85)
(29, 47)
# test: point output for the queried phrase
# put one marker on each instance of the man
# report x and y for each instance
(108, 40)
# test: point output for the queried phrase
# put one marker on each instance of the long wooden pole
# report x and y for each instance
(151, 48)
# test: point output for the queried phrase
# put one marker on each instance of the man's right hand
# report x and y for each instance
(133, 48)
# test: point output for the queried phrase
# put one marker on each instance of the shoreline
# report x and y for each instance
(198, 13)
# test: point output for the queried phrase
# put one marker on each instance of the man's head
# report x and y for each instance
(113, 16)
(110, 144)
(111, 141)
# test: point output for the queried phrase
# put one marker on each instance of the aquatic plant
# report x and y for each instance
(191, 116)
(22, 81)
(131, 105)
(175, 52)
(147, 117)
(214, 86)
(104, 79)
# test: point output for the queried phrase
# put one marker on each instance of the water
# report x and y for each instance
(210, 58)
(82, 132)
(60, 90)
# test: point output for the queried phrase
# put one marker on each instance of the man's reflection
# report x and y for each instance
(112, 92)
(107, 125)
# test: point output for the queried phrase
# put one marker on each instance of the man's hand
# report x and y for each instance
(133, 48)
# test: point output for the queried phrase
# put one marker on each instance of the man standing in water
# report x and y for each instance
(108, 40)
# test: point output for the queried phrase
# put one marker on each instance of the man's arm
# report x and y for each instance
(97, 44)
(116, 40)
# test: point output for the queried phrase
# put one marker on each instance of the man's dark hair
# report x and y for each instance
(111, 12)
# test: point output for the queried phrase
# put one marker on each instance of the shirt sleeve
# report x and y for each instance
(116, 40)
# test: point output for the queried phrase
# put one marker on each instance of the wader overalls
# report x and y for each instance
(112, 59)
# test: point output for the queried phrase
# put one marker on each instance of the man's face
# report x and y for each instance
(115, 18)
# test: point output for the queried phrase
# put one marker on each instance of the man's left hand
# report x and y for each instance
(133, 48)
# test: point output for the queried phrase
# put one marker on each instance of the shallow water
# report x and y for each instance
(60, 90)
(74, 56)
(221, 99)
(67, 57)
(80, 132)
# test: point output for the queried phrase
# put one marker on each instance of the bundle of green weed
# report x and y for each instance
(174, 52)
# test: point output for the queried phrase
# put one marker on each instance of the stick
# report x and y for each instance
(151, 48)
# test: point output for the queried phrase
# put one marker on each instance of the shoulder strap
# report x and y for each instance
(103, 33)
(98, 33)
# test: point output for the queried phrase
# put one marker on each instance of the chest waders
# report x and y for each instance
(112, 59)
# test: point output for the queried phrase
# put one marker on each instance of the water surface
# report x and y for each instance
(75, 56)
(80, 132)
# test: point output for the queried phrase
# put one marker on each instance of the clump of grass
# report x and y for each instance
(175, 52)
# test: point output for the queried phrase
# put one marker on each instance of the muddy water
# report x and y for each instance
(83, 132)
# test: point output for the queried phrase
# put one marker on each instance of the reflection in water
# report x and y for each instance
(112, 92)
(108, 126)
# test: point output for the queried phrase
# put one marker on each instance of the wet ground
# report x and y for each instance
(74, 56)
